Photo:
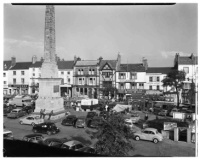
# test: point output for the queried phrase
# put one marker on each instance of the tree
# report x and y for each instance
(175, 79)
(108, 89)
(113, 137)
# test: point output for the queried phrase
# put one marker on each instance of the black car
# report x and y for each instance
(55, 142)
(69, 120)
(95, 122)
(28, 109)
(47, 128)
(34, 138)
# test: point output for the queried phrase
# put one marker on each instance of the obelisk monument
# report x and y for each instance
(49, 92)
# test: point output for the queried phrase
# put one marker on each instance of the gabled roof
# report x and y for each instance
(188, 60)
(87, 63)
(65, 64)
(21, 66)
(163, 70)
(132, 68)
(111, 63)
(6, 65)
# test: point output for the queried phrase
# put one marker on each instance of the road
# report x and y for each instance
(144, 148)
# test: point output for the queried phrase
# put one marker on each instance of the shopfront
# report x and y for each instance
(19, 88)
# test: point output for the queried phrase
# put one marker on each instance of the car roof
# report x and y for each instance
(6, 131)
(33, 135)
(150, 129)
(17, 109)
(72, 142)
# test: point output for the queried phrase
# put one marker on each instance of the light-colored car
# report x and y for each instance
(16, 113)
(129, 123)
(173, 110)
(150, 134)
(135, 117)
(162, 112)
(31, 120)
(73, 145)
(8, 134)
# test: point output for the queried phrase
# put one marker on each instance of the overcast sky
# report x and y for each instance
(153, 32)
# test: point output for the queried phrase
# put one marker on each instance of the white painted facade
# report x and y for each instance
(5, 82)
(67, 76)
(34, 74)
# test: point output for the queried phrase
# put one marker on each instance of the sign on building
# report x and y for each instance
(169, 126)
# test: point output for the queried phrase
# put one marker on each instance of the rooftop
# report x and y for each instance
(21, 66)
(188, 60)
(111, 63)
(132, 67)
(163, 70)
(87, 63)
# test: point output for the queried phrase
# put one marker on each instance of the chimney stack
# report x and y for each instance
(119, 58)
(75, 59)
(145, 64)
(13, 61)
(34, 59)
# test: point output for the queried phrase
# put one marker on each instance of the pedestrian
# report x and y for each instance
(106, 107)
(50, 114)
(41, 113)
(146, 117)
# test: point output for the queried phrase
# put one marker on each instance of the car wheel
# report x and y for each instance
(32, 124)
(137, 138)
(21, 122)
(49, 133)
(35, 131)
(155, 140)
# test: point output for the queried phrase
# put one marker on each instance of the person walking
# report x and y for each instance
(146, 117)
(50, 114)
(41, 113)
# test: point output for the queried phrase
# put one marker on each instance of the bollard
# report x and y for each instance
(189, 133)
(176, 134)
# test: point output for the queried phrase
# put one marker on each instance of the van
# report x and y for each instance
(21, 100)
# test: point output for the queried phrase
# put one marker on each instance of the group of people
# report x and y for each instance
(43, 114)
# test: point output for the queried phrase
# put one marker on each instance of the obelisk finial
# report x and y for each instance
(49, 35)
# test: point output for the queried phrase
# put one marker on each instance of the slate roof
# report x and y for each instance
(87, 63)
(187, 60)
(163, 70)
(21, 66)
(65, 64)
(112, 63)
(37, 64)
(132, 68)
(6, 65)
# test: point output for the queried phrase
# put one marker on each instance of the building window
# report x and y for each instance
(158, 87)
(68, 80)
(33, 74)
(14, 72)
(121, 86)
(91, 81)
(141, 86)
(122, 75)
(14, 80)
(22, 80)
(134, 86)
(133, 75)
(80, 72)
(150, 87)
(186, 69)
(4, 82)
(68, 72)
(150, 79)
(80, 80)
(107, 74)
(92, 71)
(33, 69)
(62, 73)
(4, 74)
(22, 72)
(158, 79)
(39, 74)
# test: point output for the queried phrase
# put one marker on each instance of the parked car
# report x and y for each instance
(150, 134)
(135, 117)
(69, 120)
(21, 100)
(33, 138)
(7, 134)
(88, 149)
(28, 109)
(73, 145)
(95, 122)
(173, 110)
(80, 122)
(129, 123)
(7, 109)
(54, 142)
(16, 113)
(163, 112)
(31, 120)
(90, 116)
(46, 127)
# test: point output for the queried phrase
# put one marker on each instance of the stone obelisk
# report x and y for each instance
(49, 92)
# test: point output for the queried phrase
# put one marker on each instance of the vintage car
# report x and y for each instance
(31, 120)
(80, 122)
(7, 134)
(135, 117)
(33, 138)
(163, 112)
(174, 110)
(129, 123)
(54, 142)
(16, 113)
(149, 134)
(47, 128)
(69, 120)
(73, 145)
